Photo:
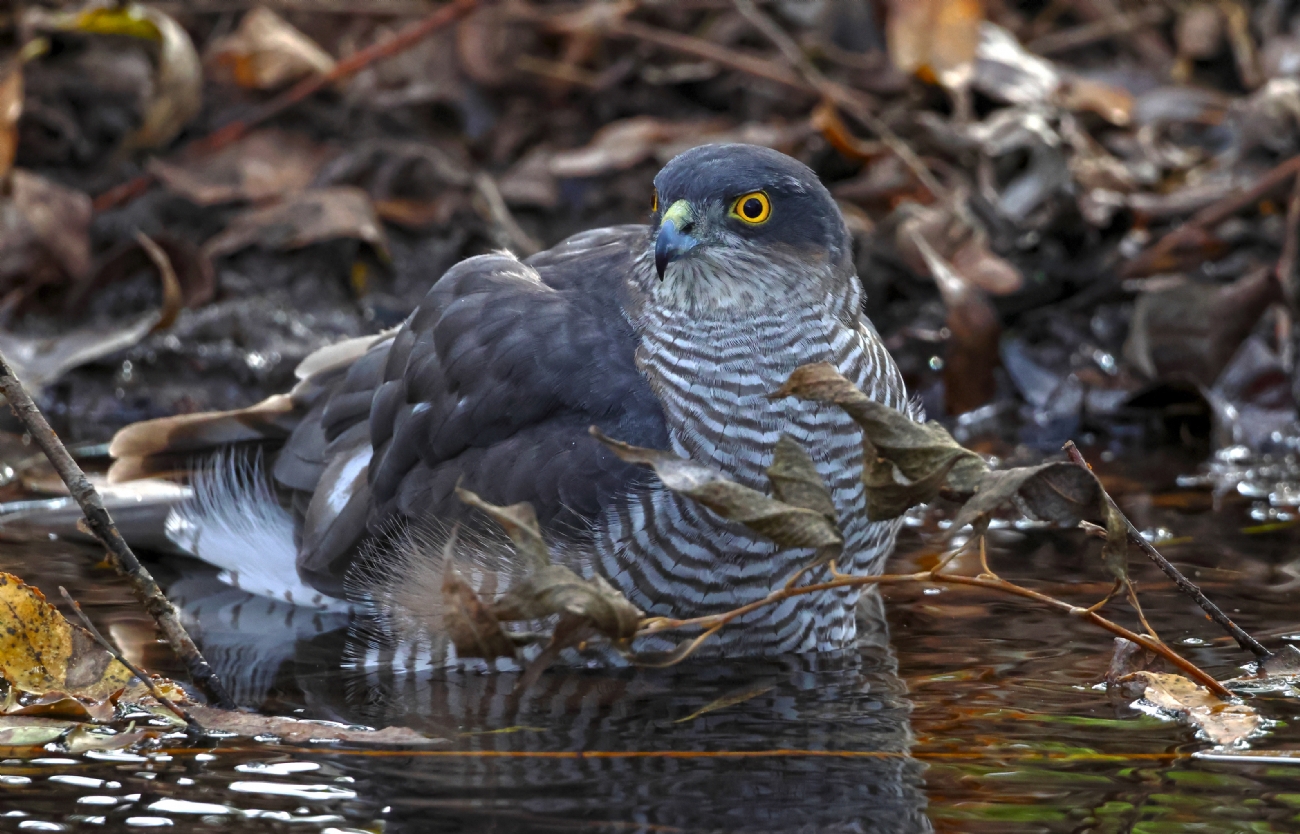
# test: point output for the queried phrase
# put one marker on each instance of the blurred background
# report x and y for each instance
(1073, 218)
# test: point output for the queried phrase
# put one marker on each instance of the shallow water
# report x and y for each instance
(969, 712)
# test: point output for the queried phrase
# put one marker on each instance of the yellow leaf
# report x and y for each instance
(41, 652)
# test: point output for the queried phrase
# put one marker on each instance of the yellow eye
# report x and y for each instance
(654, 201)
(753, 207)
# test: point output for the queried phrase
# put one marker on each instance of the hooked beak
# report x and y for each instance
(673, 241)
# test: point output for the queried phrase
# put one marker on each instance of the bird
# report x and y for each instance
(669, 334)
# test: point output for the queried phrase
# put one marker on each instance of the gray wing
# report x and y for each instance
(491, 385)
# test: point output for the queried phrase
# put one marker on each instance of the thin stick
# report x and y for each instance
(102, 526)
(1184, 584)
(238, 129)
(1097, 30)
(1192, 230)
(131, 667)
(713, 622)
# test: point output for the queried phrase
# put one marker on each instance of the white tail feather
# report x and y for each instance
(235, 523)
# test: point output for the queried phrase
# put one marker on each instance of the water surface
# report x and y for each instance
(964, 712)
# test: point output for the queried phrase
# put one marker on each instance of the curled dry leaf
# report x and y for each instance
(311, 216)
(972, 350)
(265, 165)
(787, 525)
(916, 449)
(1059, 492)
(1223, 723)
(42, 654)
(547, 588)
(192, 268)
(178, 83)
(795, 479)
(1192, 331)
(41, 360)
(266, 52)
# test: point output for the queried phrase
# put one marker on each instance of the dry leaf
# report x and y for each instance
(972, 350)
(918, 450)
(622, 144)
(298, 731)
(788, 526)
(311, 216)
(1221, 722)
(471, 626)
(265, 165)
(178, 82)
(1192, 330)
(935, 38)
(1059, 492)
(266, 52)
(11, 108)
(43, 225)
(548, 589)
(795, 479)
(193, 270)
(41, 653)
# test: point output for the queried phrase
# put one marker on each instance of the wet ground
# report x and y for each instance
(968, 712)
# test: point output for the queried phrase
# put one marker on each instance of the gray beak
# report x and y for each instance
(673, 242)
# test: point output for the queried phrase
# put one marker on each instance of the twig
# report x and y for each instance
(1097, 30)
(102, 527)
(131, 667)
(713, 622)
(851, 100)
(1194, 229)
(1184, 584)
(236, 130)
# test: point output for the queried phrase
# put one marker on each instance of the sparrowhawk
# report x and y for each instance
(668, 335)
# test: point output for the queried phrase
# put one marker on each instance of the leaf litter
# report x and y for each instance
(1062, 140)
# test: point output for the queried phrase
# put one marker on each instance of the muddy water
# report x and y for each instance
(964, 712)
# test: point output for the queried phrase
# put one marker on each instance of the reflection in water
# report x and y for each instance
(801, 743)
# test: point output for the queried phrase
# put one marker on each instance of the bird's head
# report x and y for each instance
(739, 227)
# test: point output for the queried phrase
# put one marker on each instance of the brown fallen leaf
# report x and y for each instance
(795, 479)
(44, 231)
(193, 271)
(785, 524)
(917, 449)
(1191, 331)
(548, 589)
(41, 653)
(1223, 723)
(11, 108)
(971, 354)
(311, 216)
(265, 165)
(178, 80)
(302, 731)
(622, 144)
(1059, 492)
(935, 39)
(471, 626)
(266, 52)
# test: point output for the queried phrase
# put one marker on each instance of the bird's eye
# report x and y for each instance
(654, 201)
(753, 208)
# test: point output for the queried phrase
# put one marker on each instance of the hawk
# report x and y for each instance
(667, 335)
